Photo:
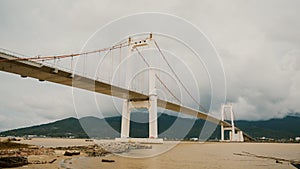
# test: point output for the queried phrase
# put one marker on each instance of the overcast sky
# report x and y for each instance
(258, 43)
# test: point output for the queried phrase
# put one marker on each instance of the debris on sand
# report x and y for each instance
(117, 147)
(98, 150)
(297, 165)
(107, 161)
(52, 161)
(92, 150)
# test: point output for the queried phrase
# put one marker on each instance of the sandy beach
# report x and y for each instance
(183, 155)
(202, 155)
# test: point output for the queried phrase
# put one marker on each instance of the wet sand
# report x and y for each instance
(203, 155)
(184, 155)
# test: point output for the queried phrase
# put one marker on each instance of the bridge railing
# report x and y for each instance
(8, 52)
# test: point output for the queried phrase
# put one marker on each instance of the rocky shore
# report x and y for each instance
(51, 154)
(31, 150)
(103, 149)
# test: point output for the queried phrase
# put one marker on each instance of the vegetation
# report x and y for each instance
(61, 128)
(169, 127)
(288, 127)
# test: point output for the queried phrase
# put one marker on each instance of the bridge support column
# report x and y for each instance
(222, 126)
(152, 105)
(233, 134)
(153, 116)
(125, 120)
(222, 132)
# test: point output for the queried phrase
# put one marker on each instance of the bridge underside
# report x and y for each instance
(47, 73)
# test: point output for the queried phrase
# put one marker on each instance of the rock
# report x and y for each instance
(8, 162)
(71, 153)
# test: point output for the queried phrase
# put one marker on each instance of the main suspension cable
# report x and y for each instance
(187, 91)
(45, 58)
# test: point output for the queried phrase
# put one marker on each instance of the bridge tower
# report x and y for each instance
(150, 104)
(234, 135)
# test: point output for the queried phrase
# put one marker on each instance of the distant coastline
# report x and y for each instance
(274, 130)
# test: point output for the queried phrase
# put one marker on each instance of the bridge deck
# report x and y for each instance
(47, 73)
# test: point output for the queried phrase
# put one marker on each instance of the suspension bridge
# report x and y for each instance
(139, 92)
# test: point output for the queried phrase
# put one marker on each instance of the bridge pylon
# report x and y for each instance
(234, 135)
(150, 104)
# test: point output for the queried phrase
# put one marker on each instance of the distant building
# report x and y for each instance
(263, 138)
(194, 139)
(297, 138)
(266, 139)
(30, 136)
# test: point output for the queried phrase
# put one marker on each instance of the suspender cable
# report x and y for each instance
(165, 86)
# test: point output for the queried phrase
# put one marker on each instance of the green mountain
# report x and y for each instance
(61, 128)
(168, 127)
(288, 127)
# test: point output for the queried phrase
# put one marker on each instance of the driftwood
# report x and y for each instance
(295, 163)
(52, 161)
(107, 161)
